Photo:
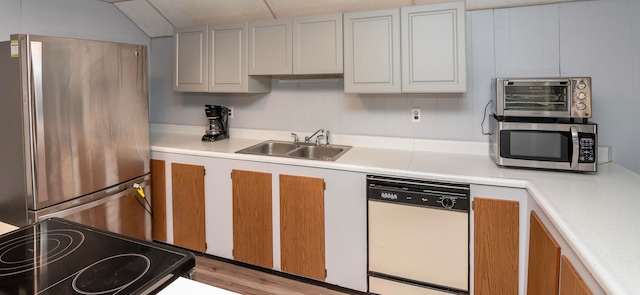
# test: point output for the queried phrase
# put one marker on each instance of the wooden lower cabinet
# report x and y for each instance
(252, 218)
(544, 259)
(496, 230)
(159, 200)
(302, 244)
(187, 190)
(570, 281)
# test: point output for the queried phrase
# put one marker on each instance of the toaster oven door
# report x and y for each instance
(534, 98)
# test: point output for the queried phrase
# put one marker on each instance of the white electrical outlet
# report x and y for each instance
(416, 116)
(230, 112)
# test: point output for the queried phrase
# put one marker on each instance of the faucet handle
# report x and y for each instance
(295, 137)
(326, 139)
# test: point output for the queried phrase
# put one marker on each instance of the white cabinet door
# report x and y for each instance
(317, 44)
(190, 59)
(270, 47)
(372, 51)
(228, 71)
(433, 48)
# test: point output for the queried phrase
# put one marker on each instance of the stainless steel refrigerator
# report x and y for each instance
(74, 133)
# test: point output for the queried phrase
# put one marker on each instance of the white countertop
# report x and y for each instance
(185, 286)
(5, 228)
(597, 214)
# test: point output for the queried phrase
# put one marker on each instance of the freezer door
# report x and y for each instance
(125, 212)
(90, 121)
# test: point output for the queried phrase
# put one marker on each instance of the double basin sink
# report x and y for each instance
(296, 150)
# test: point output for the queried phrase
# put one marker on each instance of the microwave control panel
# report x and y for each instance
(587, 148)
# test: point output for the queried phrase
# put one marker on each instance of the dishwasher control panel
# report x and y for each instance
(438, 195)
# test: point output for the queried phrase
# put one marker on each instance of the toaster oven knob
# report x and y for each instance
(581, 106)
(581, 85)
(581, 96)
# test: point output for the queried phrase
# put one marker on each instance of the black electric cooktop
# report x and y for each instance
(56, 256)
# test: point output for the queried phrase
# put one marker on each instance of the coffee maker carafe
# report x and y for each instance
(218, 123)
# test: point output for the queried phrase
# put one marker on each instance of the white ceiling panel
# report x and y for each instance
(147, 18)
(204, 12)
(292, 8)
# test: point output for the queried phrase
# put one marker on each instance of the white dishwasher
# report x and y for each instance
(418, 234)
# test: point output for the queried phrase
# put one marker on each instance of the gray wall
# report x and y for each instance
(600, 39)
(84, 19)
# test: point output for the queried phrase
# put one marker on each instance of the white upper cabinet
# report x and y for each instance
(228, 67)
(270, 47)
(317, 44)
(434, 48)
(304, 45)
(372, 52)
(190, 59)
(414, 49)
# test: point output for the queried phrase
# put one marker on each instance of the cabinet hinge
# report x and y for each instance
(324, 185)
(231, 174)
(473, 204)
(325, 273)
(204, 171)
(206, 246)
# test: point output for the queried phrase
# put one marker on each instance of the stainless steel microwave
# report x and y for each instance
(543, 97)
(558, 146)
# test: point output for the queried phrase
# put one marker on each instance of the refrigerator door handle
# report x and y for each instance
(38, 126)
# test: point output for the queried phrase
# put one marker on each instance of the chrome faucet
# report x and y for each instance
(308, 138)
(295, 137)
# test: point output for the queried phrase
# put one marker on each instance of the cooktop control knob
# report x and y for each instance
(581, 106)
(447, 202)
(581, 85)
(582, 96)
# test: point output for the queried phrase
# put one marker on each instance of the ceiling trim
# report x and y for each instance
(159, 12)
(266, 3)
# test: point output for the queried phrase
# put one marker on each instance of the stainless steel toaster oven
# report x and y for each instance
(568, 98)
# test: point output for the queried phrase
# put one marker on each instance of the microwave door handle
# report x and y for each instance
(576, 147)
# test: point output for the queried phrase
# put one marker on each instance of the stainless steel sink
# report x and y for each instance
(297, 150)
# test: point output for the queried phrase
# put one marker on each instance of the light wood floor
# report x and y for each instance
(252, 282)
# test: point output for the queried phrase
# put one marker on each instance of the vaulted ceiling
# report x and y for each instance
(158, 18)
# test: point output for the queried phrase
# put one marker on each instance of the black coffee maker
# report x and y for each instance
(218, 123)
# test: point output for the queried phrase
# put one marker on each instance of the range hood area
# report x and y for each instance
(158, 18)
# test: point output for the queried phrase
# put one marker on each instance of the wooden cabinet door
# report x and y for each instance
(270, 47)
(496, 230)
(252, 218)
(434, 48)
(302, 243)
(159, 200)
(317, 44)
(190, 59)
(570, 281)
(372, 51)
(187, 190)
(544, 259)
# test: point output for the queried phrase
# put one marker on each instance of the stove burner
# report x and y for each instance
(111, 274)
(21, 254)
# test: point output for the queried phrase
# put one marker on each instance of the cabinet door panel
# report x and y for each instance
(227, 58)
(187, 190)
(190, 59)
(496, 229)
(544, 259)
(159, 200)
(433, 48)
(270, 47)
(372, 51)
(570, 281)
(302, 226)
(252, 218)
(317, 44)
